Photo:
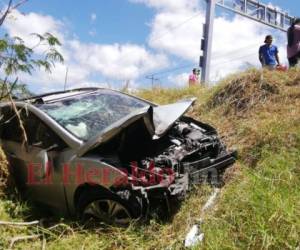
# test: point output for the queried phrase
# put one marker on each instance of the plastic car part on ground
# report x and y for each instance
(195, 236)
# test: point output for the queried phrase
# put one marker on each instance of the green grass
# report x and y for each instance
(258, 208)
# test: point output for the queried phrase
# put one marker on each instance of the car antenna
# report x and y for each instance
(66, 78)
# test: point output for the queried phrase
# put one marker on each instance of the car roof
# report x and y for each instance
(58, 95)
(52, 96)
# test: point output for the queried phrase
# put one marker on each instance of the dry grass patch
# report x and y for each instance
(3, 172)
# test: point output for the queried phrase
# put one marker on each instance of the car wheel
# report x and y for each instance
(105, 207)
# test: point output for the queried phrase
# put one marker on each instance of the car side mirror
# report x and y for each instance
(52, 147)
(37, 144)
(40, 144)
(41, 157)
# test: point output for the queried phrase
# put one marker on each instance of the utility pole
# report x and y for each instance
(153, 79)
(208, 36)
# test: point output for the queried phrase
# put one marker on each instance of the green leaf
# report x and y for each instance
(3, 45)
(16, 57)
(52, 40)
(54, 56)
(42, 38)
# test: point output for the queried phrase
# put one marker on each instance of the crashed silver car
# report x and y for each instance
(103, 154)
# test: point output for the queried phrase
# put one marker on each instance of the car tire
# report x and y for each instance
(106, 207)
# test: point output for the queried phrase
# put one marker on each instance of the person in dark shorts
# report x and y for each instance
(293, 47)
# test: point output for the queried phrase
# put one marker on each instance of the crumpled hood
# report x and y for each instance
(164, 116)
(158, 120)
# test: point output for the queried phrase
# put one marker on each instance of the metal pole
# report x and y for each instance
(153, 79)
(66, 78)
(208, 33)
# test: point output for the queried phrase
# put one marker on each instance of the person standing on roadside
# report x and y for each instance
(268, 54)
(194, 77)
(293, 47)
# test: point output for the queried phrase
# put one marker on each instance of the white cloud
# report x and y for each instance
(176, 27)
(235, 45)
(93, 17)
(93, 32)
(170, 5)
(180, 80)
(86, 84)
(180, 40)
(43, 81)
(117, 62)
(24, 26)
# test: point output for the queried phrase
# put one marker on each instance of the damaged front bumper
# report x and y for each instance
(176, 186)
(159, 169)
(210, 168)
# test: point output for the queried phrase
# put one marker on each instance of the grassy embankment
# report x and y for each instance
(259, 207)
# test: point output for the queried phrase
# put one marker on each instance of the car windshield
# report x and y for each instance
(85, 116)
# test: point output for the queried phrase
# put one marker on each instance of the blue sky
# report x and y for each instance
(109, 42)
(116, 20)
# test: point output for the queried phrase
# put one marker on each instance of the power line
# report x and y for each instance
(151, 77)
(234, 54)
(176, 27)
(173, 69)
(236, 50)
(166, 33)
(226, 62)
(216, 54)
(234, 59)
(169, 31)
(190, 65)
(193, 64)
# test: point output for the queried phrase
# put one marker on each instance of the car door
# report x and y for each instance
(37, 165)
(11, 142)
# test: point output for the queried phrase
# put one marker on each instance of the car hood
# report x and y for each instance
(158, 120)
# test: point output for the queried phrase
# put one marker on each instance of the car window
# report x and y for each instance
(39, 134)
(10, 128)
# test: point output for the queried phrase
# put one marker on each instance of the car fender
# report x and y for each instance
(92, 172)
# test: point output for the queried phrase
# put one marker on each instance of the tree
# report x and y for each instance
(11, 6)
(16, 57)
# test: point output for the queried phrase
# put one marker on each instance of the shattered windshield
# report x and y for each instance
(85, 116)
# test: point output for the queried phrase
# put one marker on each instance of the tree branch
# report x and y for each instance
(6, 12)
(11, 223)
(25, 140)
(11, 7)
(27, 237)
(18, 4)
